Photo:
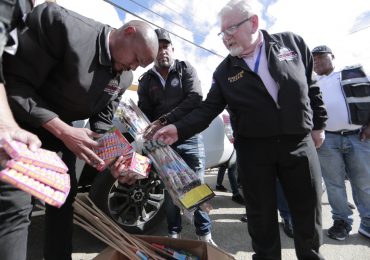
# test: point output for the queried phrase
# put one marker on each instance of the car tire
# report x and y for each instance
(138, 208)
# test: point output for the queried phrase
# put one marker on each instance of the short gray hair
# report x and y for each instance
(247, 7)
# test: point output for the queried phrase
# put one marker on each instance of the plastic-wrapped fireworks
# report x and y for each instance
(183, 183)
(41, 173)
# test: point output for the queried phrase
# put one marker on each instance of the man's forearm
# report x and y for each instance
(6, 116)
(56, 126)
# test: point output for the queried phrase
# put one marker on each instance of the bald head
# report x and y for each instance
(132, 45)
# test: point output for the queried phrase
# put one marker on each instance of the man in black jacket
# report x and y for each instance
(267, 82)
(167, 93)
(11, 13)
(68, 67)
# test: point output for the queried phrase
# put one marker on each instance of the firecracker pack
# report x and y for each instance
(183, 184)
(42, 158)
(112, 145)
(137, 165)
(40, 173)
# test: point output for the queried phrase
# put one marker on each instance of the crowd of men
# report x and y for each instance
(289, 124)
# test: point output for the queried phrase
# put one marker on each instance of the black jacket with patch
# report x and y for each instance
(300, 106)
(62, 69)
(180, 96)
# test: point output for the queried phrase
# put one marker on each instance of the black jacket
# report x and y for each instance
(300, 107)
(180, 96)
(62, 69)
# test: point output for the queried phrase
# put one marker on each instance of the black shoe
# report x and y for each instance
(340, 230)
(238, 199)
(244, 218)
(221, 188)
(288, 228)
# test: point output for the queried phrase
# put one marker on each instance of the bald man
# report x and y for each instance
(68, 67)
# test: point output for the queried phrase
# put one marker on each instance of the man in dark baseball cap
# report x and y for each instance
(323, 60)
(163, 35)
(321, 49)
(168, 92)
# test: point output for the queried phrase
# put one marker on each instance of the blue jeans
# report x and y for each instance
(346, 155)
(192, 151)
(231, 173)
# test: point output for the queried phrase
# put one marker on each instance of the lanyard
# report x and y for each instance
(257, 64)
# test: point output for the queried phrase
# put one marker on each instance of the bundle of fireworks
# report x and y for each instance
(183, 183)
(112, 145)
(123, 245)
(88, 216)
(41, 173)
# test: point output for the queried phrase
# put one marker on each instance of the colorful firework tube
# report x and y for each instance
(174, 254)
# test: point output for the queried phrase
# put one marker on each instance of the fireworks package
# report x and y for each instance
(112, 145)
(137, 165)
(182, 183)
(41, 173)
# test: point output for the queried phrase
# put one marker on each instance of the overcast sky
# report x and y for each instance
(342, 25)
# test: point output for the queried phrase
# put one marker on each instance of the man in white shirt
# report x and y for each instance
(346, 94)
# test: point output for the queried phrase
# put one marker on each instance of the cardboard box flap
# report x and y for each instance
(199, 248)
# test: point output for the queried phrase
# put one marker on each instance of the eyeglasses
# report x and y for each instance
(232, 29)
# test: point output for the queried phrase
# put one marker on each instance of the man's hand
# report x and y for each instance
(365, 133)
(318, 137)
(9, 129)
(18, 134)
(167, 134)
(152, 129)
(118, 168)
(78, 140)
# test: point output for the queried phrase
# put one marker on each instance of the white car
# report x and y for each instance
(139, 207)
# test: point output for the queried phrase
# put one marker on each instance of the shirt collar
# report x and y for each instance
(163, 81)
(335, 71)
(107, 46)
(104, 52)
(12, 49)
(256, 48)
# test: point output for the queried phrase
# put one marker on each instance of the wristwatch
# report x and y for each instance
(163, 120)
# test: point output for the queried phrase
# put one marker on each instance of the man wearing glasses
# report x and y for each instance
(267, 82)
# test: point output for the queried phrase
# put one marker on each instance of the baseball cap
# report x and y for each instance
(163, 35)
(321, 49)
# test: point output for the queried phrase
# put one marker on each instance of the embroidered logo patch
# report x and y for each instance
(236, 77)
(175, 82)
(112, 87)
(286, 54)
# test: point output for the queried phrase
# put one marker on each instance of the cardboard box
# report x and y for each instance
(199, 248)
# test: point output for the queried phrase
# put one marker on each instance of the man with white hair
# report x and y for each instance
(267, 82)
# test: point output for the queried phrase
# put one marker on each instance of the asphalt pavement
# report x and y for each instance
(228, 232)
